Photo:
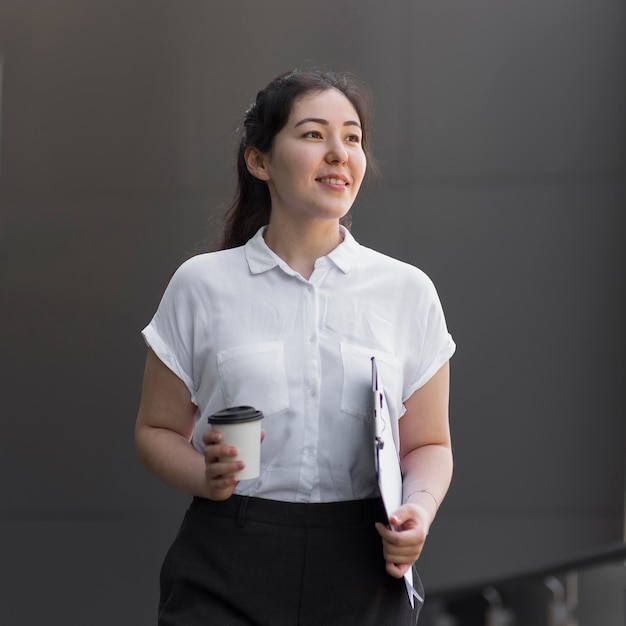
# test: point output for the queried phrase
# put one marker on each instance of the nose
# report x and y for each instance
(337, 152)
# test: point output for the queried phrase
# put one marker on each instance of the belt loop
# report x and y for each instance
(241, 513)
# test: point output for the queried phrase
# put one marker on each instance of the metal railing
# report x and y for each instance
(586, 590)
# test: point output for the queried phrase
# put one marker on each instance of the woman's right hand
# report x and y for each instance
(221, 475)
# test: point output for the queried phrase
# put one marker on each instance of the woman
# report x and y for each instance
(285, 318)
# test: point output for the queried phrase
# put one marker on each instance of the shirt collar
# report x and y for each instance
(261, 259)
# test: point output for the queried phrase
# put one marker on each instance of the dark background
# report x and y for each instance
(500, 127)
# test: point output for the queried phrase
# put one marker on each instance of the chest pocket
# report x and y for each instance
(357, 380)
(254, 375)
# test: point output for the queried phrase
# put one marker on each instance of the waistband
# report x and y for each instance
(315, 514)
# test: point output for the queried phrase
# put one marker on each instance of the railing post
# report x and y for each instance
(564, 603)
(497, 614)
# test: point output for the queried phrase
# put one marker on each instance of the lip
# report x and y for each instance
(341, 177)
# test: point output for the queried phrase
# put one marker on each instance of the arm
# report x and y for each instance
(426, 461)
(163, 431)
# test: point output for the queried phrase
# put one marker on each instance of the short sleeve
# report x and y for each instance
(436, 345)
(170, 332)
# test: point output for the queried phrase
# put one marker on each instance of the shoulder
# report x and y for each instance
(207, 263)
(206, 271)
(392, 269)
(395, 282)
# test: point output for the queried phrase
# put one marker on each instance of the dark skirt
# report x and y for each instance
(256, 562)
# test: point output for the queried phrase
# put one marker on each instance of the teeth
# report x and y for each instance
(333, 181)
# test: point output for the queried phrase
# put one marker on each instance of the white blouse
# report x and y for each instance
(240, 327)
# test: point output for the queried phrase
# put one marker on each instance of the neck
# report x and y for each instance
(300, 247)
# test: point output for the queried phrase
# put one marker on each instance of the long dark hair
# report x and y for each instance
(267, 115)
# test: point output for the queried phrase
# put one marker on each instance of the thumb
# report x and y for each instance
(400, 517)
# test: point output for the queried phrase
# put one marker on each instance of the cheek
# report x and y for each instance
(304, 159)
(286, 170)
(360, 167)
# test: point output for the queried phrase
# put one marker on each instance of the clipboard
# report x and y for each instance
(386, 458)
(386, 461)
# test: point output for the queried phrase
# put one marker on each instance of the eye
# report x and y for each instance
(313, 134)
(353, 138)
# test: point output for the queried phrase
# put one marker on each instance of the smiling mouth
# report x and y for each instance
(332, 181)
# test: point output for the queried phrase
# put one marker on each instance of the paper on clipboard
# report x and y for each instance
(387, 462)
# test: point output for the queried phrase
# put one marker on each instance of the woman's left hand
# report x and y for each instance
(403, 545)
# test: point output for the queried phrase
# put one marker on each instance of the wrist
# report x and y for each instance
(419, 493)
(423, 499)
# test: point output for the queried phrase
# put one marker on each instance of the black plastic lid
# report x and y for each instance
(235, 415)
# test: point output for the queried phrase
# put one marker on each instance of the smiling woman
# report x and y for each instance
(265, 118)
(313, 173)
(286, 318)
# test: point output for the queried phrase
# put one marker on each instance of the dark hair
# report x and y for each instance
(263, 120)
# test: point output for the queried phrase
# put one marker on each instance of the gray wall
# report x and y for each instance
(500, 130)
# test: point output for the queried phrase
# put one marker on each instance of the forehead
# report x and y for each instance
(330, 104)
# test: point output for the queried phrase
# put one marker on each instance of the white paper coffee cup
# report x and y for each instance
(241, 427)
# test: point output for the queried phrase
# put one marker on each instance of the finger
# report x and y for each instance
(411, 516)
(219, 451)
(406, 551)
(212, 436)
(384, 531)
(399, 552)
(403, 519)
(397, 520)
(223, 488)
(407, 534)
(222, 469)
(397, 571)
(219, 483)
(408, 555)
(394, 537)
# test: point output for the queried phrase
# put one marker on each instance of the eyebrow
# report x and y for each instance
(319, 120)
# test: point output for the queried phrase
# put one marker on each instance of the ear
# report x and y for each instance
(256, 162)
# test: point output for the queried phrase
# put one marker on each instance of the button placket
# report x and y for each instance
(309, 471)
